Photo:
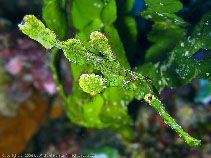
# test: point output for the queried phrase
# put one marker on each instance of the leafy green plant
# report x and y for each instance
(107, 73)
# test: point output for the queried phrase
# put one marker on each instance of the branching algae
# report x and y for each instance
(103, 59)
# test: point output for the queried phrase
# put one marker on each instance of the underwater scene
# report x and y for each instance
(105, 78)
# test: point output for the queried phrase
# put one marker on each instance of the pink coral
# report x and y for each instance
(14, 66)
(28, 65)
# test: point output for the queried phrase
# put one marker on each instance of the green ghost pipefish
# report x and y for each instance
(113, 73)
